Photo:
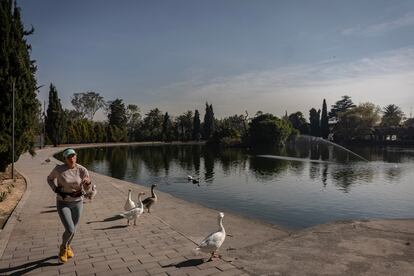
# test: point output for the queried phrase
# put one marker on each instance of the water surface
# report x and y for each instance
(294, 193)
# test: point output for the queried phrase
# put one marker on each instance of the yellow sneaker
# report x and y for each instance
(69, 252)
(63, 254)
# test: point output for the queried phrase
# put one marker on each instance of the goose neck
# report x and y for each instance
(140, 201)
(220, 222)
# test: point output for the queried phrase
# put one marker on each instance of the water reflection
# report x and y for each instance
(289, 191)
(197, 159)
(266, 169)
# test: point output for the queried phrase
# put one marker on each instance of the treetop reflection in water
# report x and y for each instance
(291, 193)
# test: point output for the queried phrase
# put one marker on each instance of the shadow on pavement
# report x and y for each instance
(113, 227)
(113, 218)
(25, 268)
(48, 211)
(187, 263)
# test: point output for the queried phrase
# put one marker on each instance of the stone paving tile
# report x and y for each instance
(103, 244)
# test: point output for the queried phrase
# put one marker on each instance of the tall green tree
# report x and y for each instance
(153, 125)
(55, 118)
(117, 114)
(268, 130)
(87, 103)
(324, 121)
(341, 106)
(392, 117)
(133, 122)
(314, 120)
(117, 121)
(16, 67)
(209, 120)
(166, 128)
(196, 126)
(298, 122)
(357, 123)
(185, 123)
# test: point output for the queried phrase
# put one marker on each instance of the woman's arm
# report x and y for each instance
(51, 180)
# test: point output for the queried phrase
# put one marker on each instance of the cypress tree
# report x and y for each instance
(55, 118)
(324, 121)
(166, 128)
(314, 119)
(208, 121)
(196, 126)
(16, 67)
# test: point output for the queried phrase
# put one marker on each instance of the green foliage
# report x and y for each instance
(229, 132)
(55, 118)
(209, 126)
(72, 135)
(392, 117)
(152, 125)
(167, 128)
(225, 136)
(117, 114)
(268, 130)
(133, 122)
(16, 67)
(196, 126)
(100, 134)
(357, 122)
(117, 134)
(314, 119)
(324, 121)
(87, 103)
(298, 122)
(185, 125)
(341, 106)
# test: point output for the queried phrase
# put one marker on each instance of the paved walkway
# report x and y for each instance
(103, 245)
(162, 242)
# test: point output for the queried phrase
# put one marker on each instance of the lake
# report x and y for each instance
(318, 185)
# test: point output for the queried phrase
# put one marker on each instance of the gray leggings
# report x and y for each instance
(69, 213)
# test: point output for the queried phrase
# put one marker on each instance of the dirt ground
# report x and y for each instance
(10, 194)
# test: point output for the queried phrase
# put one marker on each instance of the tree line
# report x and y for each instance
(124, 123)
(346, 122)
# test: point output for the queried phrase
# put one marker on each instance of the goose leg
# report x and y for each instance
(211, 257)
(135, 221)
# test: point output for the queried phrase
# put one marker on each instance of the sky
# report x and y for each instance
(273, 56)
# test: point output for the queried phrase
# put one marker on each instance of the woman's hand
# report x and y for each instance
(86, 181)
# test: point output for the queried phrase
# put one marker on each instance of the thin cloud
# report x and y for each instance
(381, 79)
(378, 29)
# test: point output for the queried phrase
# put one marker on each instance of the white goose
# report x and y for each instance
(129, 204)
(213, 241)
(134, 213)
